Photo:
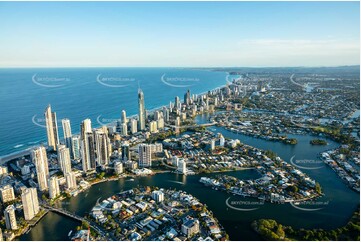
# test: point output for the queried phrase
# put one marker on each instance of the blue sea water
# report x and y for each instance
(80, 93)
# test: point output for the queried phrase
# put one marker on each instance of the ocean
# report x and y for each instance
(79, 93)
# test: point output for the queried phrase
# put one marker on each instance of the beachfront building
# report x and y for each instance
(141, 107)
(75, 142)
(51, 128)
(67, 134)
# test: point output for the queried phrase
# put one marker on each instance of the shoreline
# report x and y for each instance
(26, 151)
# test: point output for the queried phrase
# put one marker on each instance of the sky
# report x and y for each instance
(179, 34)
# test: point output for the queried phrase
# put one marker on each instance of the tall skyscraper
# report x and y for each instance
(88, 152)
(133, 126)
(141, 117)
(102, 143)
(76, 147)
(177, 102)
(64, 159)
(70, 180)
(85, 127)
(124, 129)
(10, 219)
(51, 128)
(54, 189)
(40, 160)
(67, 134)
(166, 114)
(125, 152)
(145, 155)
(124, 117)
(30, 201)
(187, 98)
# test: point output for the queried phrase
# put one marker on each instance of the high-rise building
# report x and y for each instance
(40, 160)
(183, 116)
(124, 129)
(182, 167)
(158, 196)
(175, 160)
(166, 114)
(145, 155)
(7, 193)
(157, 115)
(124, 117)
(141, 106)
(187, 97)
(133, 126)
(87, 146)
(54, 189)
(70, 180)
(153, 126)
(213, 144)
(125, 152)
(51, 128)
(221, 140)
(67, 134)
(10, 219)
(29, 198)
(64, 159)
(177, 102)
(177, 121)
(118, 167)
(160, 123)
(76, 147)
(88, 152)
(102, 147)
(3, 170)
(85, 127)
(156, 148)
(216, 101)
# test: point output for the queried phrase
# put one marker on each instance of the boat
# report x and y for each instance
(131, 179)
(71, 231)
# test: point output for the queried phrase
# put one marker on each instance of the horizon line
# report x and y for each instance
(184, 67)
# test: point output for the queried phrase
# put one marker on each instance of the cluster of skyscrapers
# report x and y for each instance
(92, 148)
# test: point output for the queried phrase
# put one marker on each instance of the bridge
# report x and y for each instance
(78, 218)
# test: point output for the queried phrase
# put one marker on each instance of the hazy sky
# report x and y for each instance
(182, 34)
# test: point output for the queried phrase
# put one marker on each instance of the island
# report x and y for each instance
(152, 213)
(318, 142)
